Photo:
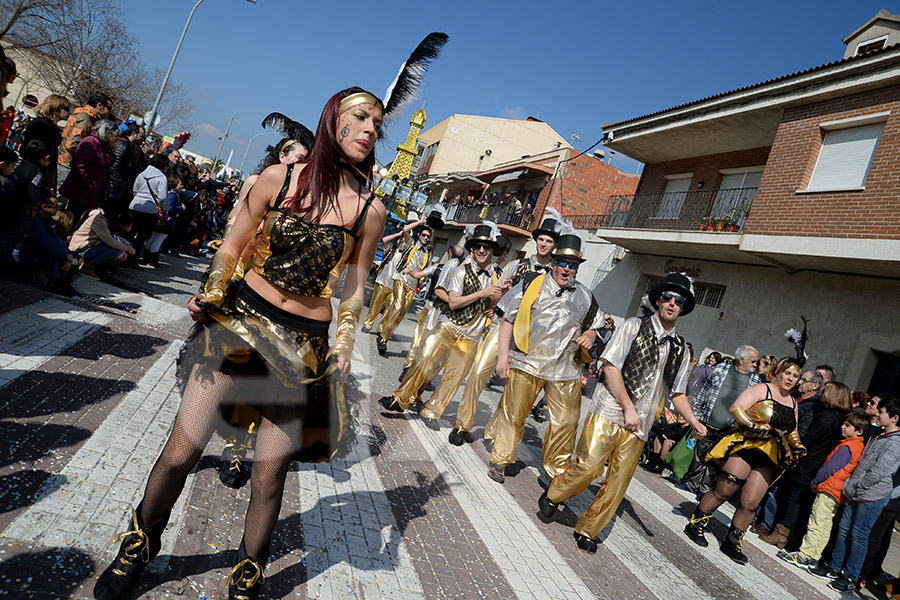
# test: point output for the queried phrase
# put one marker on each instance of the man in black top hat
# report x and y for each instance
(644, 362)
(550, 319)
(472, 289)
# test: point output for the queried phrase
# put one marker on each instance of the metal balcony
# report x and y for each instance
(704, 210)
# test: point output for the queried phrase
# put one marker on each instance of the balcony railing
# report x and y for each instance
(705, 210)
(502, 214)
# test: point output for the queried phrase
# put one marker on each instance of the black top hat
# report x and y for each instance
(503, 245)
(674, 282)
(568, 247)
(548, 227)
(482, 233)
(435, 220)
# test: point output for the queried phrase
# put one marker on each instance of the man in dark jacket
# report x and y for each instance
(127, 161)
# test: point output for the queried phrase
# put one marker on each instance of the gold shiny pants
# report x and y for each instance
(401, 300)
(433, 355)
(485, 363)
(418, 336)
(564, 401)
(380, 296)
(601, 440)
(456, 353)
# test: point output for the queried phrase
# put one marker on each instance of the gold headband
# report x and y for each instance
(287, 145)
(359, 98)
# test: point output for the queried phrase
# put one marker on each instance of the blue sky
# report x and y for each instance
(575, 65)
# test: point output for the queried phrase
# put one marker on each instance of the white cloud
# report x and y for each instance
(514, 112)
(207, 130)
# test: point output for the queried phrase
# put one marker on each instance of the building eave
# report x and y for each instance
(856, 256)
(747, 117)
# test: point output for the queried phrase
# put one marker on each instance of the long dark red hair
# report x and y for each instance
(321, 178)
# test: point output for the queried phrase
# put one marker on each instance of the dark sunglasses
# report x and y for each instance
(679, 300)
(568, 263)
(482, 246)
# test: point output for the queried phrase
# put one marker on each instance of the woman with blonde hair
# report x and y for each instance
(44, 127)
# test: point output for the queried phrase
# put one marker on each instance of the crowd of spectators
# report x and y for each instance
(87, 194)
(842, 538)
(500, 207)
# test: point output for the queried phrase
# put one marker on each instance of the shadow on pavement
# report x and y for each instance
(408, 502)
(51, 573)
(39, 393)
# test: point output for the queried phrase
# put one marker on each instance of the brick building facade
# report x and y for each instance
(782, 199)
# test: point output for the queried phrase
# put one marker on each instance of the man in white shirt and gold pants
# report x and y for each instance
(644, 362)
(472, 290)
(550, 317)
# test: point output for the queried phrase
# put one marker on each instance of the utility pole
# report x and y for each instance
(222, 145)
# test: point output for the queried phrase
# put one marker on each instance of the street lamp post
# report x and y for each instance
(222, 145)
(165, 82)
(248, 148)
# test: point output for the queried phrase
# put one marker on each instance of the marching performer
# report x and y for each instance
(644, 362)
(549, 318)
(472, 291)
(435, 301)
(545, 238)
(410, 268)
(384, 282)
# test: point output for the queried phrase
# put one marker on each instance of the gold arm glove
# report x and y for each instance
(741, 418)
(793, 438)
(348, 315)
(223, 266)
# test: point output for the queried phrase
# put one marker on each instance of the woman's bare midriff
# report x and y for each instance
(304, 306)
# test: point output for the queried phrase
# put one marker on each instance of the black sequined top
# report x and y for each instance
(303, 257)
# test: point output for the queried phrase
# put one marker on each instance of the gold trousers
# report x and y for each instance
(454, 353)
(380, 296)
(564, 402)
(443, 347)
(401, 300)
(485, 363)
(418, 336)
(601, 440)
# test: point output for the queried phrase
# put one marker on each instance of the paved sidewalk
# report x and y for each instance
(88, 394)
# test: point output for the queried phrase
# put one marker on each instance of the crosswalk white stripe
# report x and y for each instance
(343, 487)
(515, 541)
(34, 334)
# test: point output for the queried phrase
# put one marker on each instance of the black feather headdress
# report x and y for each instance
(798, 338)
(289, 128)
(402, 91)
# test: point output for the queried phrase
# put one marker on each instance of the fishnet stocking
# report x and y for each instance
(756, 484)
(278, 438)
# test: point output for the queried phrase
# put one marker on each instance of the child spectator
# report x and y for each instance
(828, 482)
(102, 250)
(42, 249)
(867, 491)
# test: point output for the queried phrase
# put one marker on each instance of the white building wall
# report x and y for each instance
(850, 317)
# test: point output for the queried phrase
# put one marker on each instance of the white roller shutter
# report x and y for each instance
(845, 158)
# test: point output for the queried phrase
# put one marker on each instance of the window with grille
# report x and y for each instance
(704, 294)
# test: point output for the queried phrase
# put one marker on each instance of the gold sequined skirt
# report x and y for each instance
(248, 337)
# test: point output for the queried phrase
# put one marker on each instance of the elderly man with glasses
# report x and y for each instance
(645, 362)
(713, 408)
